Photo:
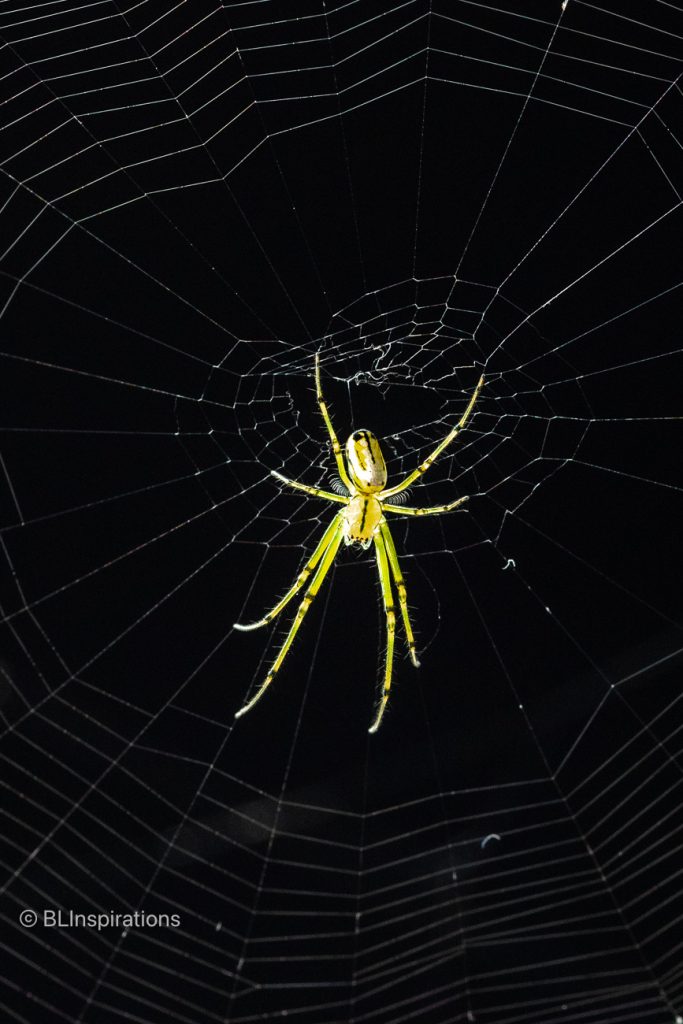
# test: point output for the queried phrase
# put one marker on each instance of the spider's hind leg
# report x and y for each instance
(336, 447)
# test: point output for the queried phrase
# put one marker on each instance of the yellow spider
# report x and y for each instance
(362, 522)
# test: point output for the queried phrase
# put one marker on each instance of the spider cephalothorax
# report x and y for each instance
(361, 521)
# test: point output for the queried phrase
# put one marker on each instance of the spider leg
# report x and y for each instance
(433, 510)
(336, 448)
(317, 492)
(387, 597)
(300, 580)
(423, 467)
(326, 561)
(400, 585)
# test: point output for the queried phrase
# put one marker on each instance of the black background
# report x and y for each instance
(340, 178)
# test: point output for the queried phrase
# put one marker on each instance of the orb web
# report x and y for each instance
(195, 203)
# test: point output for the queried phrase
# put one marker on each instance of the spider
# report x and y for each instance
(361, 521)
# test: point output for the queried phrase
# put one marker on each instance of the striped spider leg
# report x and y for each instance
(363, 473)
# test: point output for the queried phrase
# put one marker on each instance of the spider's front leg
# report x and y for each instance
(400, 585)
(387, 597)
(313, 561)
(326, 560)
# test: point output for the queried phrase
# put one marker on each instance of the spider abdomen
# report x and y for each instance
(362, 517)
(367, 468)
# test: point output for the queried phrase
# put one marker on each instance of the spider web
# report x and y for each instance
(195, 202)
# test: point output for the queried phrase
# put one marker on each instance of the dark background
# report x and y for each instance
(193, 205)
